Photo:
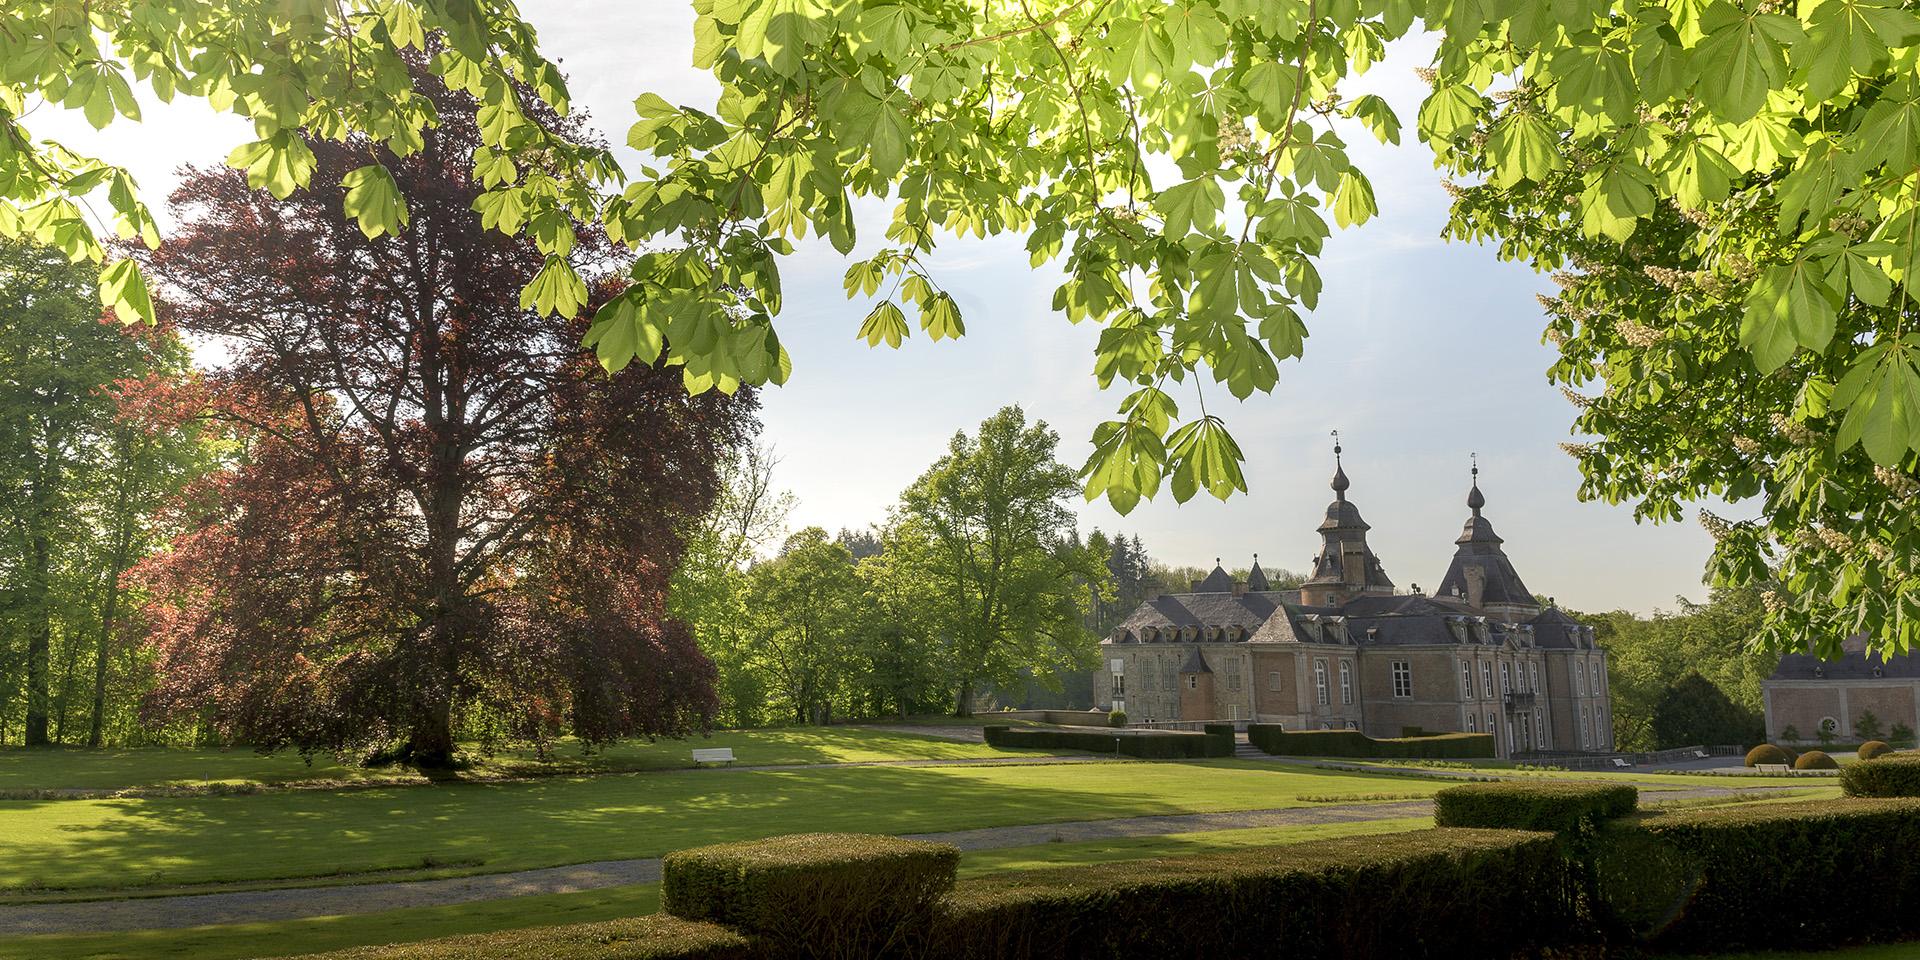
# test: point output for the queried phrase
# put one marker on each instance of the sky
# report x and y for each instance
(1420, 353)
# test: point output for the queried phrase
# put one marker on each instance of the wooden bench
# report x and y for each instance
(713, 755)
(1770, 767)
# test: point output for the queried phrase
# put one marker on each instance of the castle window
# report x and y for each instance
(1580, 680)
(1546, 741)
(1233, 683)
(1346, 681)
(1470, 724)
(1273, 680)
(1119, 684)
(1506, 680)
(1533, 677)
(1486, 681)
(1586, 729)
(1320, 681)
(1829, 725)
(1402, 679)
(1193, 682)
(1466, 680)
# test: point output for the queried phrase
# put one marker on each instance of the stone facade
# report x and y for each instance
(1346, 651)
(1806, 695)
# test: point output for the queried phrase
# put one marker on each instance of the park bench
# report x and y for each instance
(712, 755)
(1700, 755)
(1770, 767)
(1621, 762)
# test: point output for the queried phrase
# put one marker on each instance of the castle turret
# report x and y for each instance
(1345, 567)
(1480, 573)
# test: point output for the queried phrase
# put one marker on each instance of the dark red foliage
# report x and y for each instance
(446, 516)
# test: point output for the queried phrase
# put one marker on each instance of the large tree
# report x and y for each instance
(984, 540)
(446, 516)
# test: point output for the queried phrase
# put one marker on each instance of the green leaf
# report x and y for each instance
(124, 291)
(1790, 306)
(1743, 57)
(1523, 146)
(884, 322)
(1881, 396)
(1450, 111)
(555, 289)
(1353, 204)
(279, 164)
(940, 317)
(1373, 111)
(1202, 455)
(374, 200)
(1195, 203)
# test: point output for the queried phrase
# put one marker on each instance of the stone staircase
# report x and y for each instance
(1243, 750)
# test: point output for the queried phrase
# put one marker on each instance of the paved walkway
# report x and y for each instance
(109, 916)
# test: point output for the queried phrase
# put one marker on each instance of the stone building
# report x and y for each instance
(1806, 695)
(1346, 651)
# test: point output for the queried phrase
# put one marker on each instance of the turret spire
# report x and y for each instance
(1339, 483)
(1475, 499)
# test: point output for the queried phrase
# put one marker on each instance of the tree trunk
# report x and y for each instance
(963, 700)
(39, 641)
(110, 604)
(430, 744)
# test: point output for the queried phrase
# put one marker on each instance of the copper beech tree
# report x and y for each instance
(445, 517)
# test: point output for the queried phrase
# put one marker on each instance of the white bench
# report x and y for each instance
(1700, 755)
(712, 755)
(1770, 767)
(1619, 762)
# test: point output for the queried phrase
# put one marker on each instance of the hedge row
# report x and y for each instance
(1893, 775)
(1557, 807)
(1147, 744)
(1763, 875)
(655, 937)
(1352, 743)
(846, 893)
(1434, 893)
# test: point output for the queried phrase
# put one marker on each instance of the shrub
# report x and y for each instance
(1815, 760)
(1896, 775)
(838, 894)
(1874, 748)
(1901, 735)
(1763, 875)
(1221, 738)
(1790, 733)
(1562, 807)
(1429, 894)
(1767, 753)
(1867, 726)
(1146, 744)
(1117, 718)
(1353, 743)
(656, 937)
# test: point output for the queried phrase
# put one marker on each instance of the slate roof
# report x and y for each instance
(1340, 533)
(1219, 581)
(1195, 663)
(1854, 664)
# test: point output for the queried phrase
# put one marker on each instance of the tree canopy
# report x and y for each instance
(1178, 160)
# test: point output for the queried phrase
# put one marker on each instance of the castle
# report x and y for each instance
(1345, 651)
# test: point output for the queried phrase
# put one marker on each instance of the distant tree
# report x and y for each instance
(1900, 735)
(1790, 733)
(806, 616)
(709, 588)
(1694, 711)
(1867, 727)
(1648, 655)
(985, 540)
(82, 477)
(445, 510)
(861, 543)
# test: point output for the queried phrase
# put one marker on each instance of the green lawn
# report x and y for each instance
(22, 769)
(423, 923)
(83, 845)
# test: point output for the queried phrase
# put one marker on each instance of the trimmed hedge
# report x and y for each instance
(655, 937)
(1146, 744)
(1433, 893)
(1770, 876)
(841, 894)
(1223, 736)
(1874, 748)
(1557, 807)
(1895, 775)
(1768, 753)
(1815, 760)
(1353, 743)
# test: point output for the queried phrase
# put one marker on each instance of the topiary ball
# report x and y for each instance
(1874, 748)
(1767, 753)
(1815, 760)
